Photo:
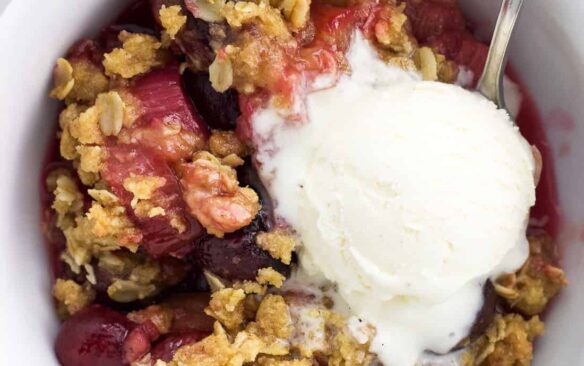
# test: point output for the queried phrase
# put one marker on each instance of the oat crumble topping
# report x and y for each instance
(72, 296)
(172, 19)
(139, 53)
(278, 243)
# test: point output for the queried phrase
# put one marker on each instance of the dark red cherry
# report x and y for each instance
(166, 348)
(93, 337)
(219, 110)
(235, 256)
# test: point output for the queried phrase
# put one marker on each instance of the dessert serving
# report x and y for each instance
(295, 182)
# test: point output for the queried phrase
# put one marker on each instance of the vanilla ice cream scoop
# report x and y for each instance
(408, 194)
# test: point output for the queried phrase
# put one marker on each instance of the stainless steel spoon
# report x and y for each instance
(491, 81)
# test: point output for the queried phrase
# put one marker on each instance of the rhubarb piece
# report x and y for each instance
(167, 121)
(155, 205)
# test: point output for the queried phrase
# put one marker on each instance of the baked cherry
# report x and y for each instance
(166, 348)
(432, 18)
(93, 337)
(219, 110)
(235, 256)
(189, 312)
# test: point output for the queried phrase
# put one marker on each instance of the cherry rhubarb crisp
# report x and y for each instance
(164, 245)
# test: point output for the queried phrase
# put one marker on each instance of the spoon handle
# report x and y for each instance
(491, 81)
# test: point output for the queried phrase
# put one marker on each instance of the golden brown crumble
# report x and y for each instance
(139, 54)
(221, 349)
(273, 317)
(227, 307)
(392, 31)
(104, 228)
(108, 220)
(87, 178)
(279, 361)
(250, 287)
(434, 66)
(262, 14)
(265, 277)
(142, 187)
(507, 342)
(278, 243)
(62, 79)
(89, 82)
(85, 128)
(172, 19)
(218, 350)
(90, 158)
(256, 60)
(68, 201)
(134, 276)
(537, 282)
(296, 12)
(225, 143)
(269, 276)
(72, 296)
(68, 143)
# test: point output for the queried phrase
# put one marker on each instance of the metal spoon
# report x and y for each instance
(491, 81)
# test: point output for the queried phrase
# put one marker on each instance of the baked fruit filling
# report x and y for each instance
(166, 248)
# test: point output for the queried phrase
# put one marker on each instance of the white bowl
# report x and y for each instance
(547, 50)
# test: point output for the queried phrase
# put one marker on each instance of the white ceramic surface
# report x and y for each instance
(548, 51)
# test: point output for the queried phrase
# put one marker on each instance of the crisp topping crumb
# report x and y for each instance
(278, 243)
(269, 276)
(250, 287)
(89, 82)
(227, 306)
(172, 19)
(86, 128)
(73, 296)
(537, 282)
(273, 317)
(108, 220)
(142, 187)
(391, 32)
(139, 54)
(90, 158)
(296, 12)
(244, 12)
(62, 79)
(279, 361)
(508, 341)
(68, 202)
